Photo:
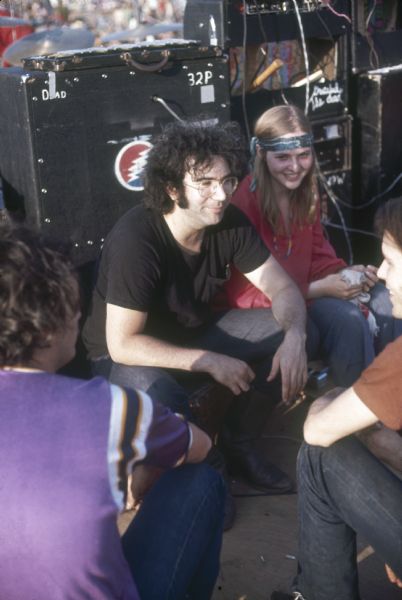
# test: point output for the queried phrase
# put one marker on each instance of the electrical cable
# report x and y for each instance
(373, 56)
(335, 201)
(243, 94)
(305, 55)
(260, 23)
(371, 14)
(374, 198)
(262, 31)
(327, 3)
(237, 72)
(352, 229)
(323, 23)
(166, 107)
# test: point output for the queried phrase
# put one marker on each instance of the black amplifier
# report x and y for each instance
(377, 34)
(333, 144)
(336, 211)
(379, 134)
(327, 100)
(333, 148)
(75, 129)
(230, 23)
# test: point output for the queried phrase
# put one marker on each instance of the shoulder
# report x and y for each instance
(235, 218)
(244, 196)
(235, 226)
(99, 388)
(380, 385)
(85, 387)
(137, 229)
(71, 390)
(138, 219)
(248, 200)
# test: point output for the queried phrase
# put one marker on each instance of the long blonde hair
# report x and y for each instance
(276, 122)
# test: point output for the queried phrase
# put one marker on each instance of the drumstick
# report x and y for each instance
(270, 70)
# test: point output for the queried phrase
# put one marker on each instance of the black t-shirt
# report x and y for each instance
(143, 268)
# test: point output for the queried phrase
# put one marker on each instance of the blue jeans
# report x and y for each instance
(345, 339)
(173, 544)
(344, 490)
(251, 335)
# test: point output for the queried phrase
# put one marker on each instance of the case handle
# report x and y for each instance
(126, 56)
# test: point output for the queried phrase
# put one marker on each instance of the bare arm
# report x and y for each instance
(289, 310)
(144, 477)
(200, 445)
(129, 346)
(330, 420)
(334, 286)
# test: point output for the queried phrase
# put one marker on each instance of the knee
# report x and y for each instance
(209, 478)
(351, 327)
(202, 478)
(307, 456)
(317, 459)
(352, 316)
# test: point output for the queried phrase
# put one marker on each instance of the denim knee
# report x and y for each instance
(353, 317)
(203, 478)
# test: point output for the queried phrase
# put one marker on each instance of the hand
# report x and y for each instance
(392, 577)
(231, 372)
(371, 275)
(291, 360)
(335, 287)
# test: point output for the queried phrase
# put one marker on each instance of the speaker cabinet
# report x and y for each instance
(333, 148)
(206, 21)
(379, 120)
(75, 130)
(377, 34)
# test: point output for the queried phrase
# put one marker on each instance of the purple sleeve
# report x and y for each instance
(168, 438)
(141, 431)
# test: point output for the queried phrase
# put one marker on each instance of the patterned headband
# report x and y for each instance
(278, 144)
(281, 144)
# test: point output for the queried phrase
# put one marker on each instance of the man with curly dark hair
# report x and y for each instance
(151, 322)
(68, 447)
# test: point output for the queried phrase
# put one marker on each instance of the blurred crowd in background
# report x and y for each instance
(101, 16)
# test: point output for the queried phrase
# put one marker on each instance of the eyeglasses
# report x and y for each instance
(208, 187)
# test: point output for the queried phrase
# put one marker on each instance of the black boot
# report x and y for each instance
(244, 460)
(244, 424)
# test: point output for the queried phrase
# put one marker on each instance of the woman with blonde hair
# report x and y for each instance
(281, 199)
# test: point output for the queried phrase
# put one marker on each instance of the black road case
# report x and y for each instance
(75, 128)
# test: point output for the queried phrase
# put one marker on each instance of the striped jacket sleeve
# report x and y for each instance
(141, 431)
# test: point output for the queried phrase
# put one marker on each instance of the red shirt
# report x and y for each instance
(8, 35)
(306, 256)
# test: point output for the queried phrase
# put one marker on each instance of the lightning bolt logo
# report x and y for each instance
(137, 166)
(130, 163)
